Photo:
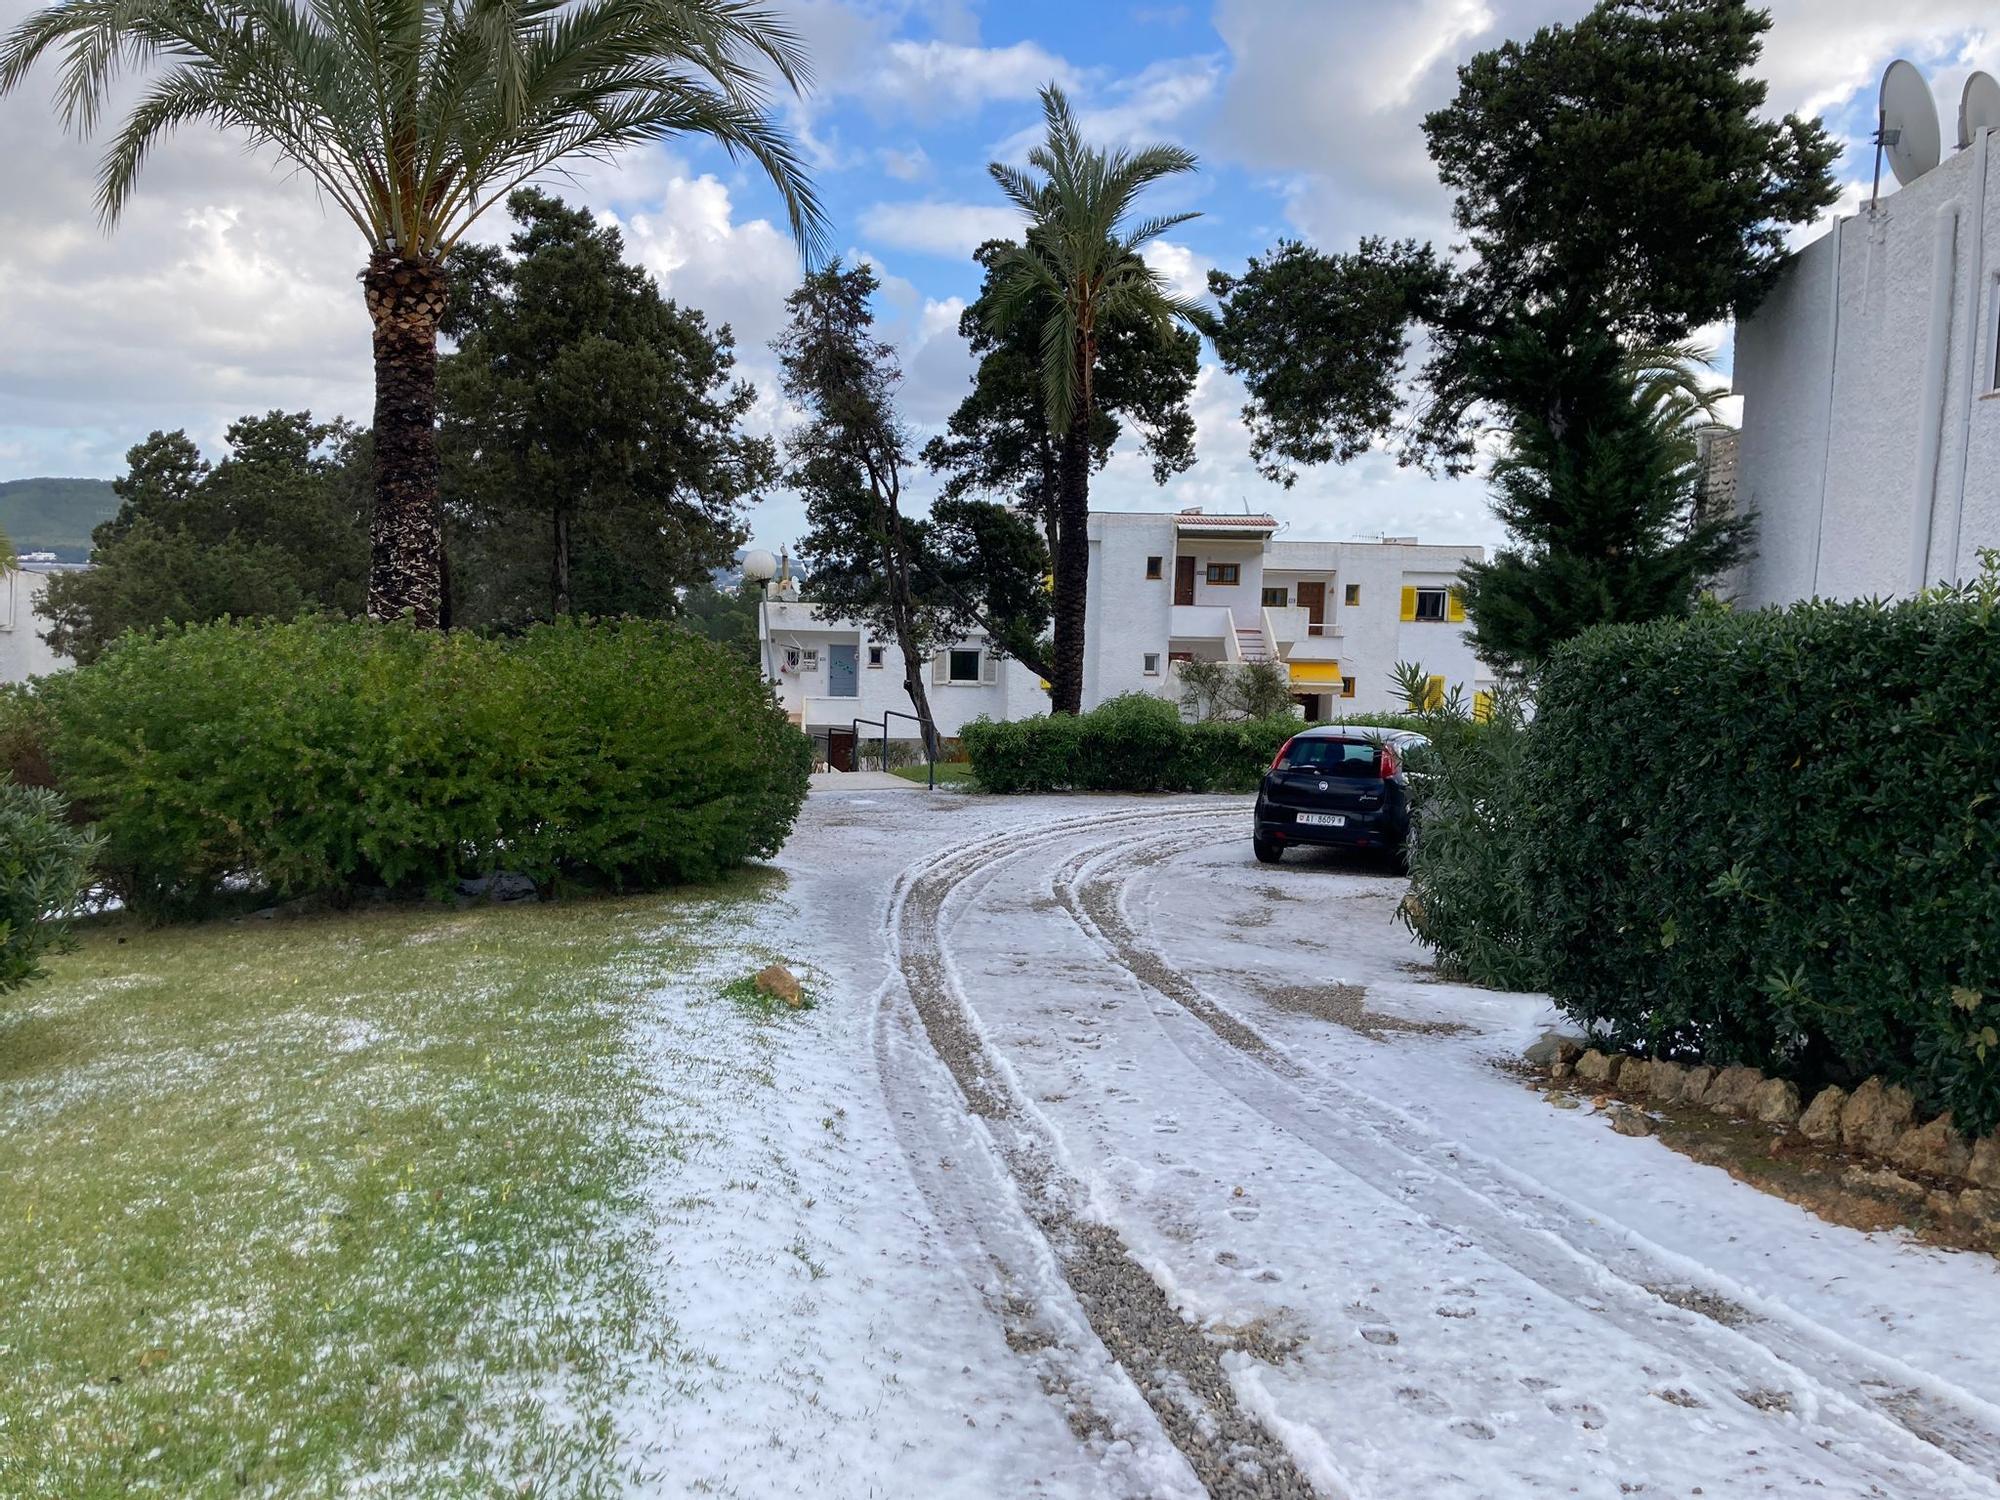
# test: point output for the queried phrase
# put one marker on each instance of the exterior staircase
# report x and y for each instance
(1250, 643)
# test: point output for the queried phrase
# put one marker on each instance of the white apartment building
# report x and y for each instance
(23, 652)
(1870, 377)
(1166, 587)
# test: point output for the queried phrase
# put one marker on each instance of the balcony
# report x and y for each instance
(1203, 622)
(1286, 628)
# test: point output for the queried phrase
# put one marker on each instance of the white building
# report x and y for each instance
(23, 652)
(1164, 588)
(1870, 379)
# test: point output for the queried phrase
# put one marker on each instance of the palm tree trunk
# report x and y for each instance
(1072, 567)
(406, 534)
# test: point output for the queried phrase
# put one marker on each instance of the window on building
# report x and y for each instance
(1993, 353)
(1152, 661)
(1276, 598)
(1155, 567)
(1430, 604)
(962, 665)
(1225, 573)
(1353, 595)
(875, 654)
(1347, 687)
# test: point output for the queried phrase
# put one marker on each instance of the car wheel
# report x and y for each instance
(1399, 859)
(1268, 851)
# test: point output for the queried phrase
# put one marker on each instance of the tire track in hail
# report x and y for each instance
(1170, 1363)
(1514, 1218)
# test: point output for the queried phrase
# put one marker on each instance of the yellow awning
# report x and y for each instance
(1317, 672)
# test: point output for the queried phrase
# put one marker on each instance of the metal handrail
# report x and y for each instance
(930, 760)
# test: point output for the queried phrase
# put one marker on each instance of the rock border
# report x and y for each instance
(1927, 1162)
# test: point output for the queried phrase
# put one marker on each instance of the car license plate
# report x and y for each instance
(1323, 820)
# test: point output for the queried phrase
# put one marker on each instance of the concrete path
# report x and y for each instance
(862, 781)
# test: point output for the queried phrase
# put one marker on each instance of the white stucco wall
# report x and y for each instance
(1853, 450)
(1132, 617)
(23, 652)
(1014, 692)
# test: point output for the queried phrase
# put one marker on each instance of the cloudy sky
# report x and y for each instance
(228, 287)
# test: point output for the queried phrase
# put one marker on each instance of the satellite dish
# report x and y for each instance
(1909, 135)
(1978, 107)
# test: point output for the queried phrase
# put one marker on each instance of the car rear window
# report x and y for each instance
(1332, 757)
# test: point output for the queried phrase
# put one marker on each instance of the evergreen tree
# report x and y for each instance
(998, 441)
(593, 460)
(1598, 487)
(1619, 186)
(924, 582)
(278, 528)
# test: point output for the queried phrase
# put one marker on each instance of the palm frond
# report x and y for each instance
(414, 116)
(1080, 262)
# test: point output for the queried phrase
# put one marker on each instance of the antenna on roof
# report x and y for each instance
(1978, 108)
(1906, 127)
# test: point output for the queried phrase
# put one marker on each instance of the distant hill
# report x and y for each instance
(55, 515)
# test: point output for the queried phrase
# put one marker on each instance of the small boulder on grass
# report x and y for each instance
(1985, 1169)
(1875, 1116)
(1775, 1101)
(780, 983)
(1696, 1084)
(1666, 1081)
(1821, 1121)
(1937, 1149)
(1596, 1067)
(1732, 1090)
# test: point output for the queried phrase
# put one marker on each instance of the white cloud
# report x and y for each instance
(933, 79)
(1184, 271)
(1153, 104)
(912, 165)
(948, 229)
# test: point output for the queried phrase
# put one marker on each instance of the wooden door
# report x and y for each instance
(1184, 580)
(1312, 599)
(840, 749)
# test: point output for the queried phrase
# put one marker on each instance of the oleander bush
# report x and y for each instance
(320, 757)
(1132, 743)
(1767, 838)
(45, 870)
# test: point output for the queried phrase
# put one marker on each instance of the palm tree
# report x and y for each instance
(1079, 269)
(413, 117)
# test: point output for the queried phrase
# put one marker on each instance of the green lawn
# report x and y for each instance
(341, 1205)
(949, 772)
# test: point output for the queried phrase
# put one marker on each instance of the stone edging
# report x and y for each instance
(1877, 1119)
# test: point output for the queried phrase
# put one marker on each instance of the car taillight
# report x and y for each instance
(1388, 766)
(1281, 753)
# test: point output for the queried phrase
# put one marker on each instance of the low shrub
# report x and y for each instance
(321, 756)
(45, 869)
(1132, 743)
(1767, 838)
(1468, 892)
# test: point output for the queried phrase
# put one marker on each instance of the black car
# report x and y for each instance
(1338, 785)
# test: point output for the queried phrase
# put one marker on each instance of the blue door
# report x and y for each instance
(843, 671)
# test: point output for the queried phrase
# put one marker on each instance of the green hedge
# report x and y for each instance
(321, 756)
(45, 864)
(1769, 838)
(1133, 743)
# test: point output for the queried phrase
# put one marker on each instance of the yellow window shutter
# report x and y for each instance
(1434, 692)
(1454, 608)
(1409, 604)
(1482, 706)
